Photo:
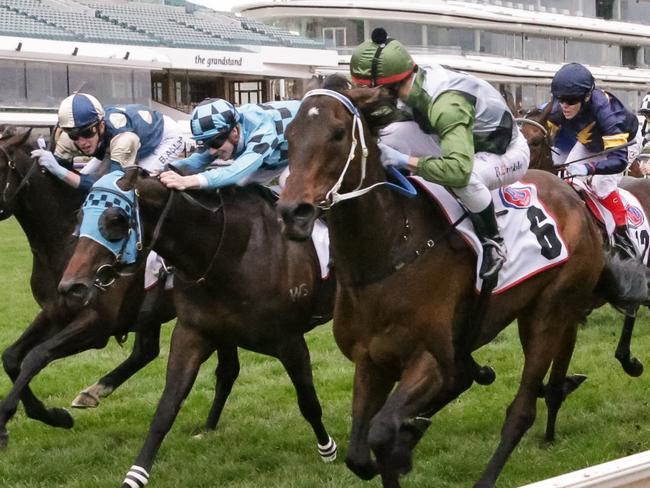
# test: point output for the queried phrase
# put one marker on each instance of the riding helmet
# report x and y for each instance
(80, 110)
(572, 80)
(213, 117)
(380, 61)
(645, 105)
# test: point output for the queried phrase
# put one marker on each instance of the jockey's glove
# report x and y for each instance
(47, 160)
(580, 169)
(392, 157)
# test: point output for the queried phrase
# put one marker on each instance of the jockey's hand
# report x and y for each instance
(578, 169)
(47, 160)
(173, 180)
(393, 157)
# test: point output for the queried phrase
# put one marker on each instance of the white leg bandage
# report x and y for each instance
(137, 477)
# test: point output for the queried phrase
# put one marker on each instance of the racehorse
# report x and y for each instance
(46, 209)
(238, 283)
(533, 126)
(406, 290)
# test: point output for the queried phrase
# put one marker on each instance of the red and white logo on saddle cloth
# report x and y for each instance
(530, 232)
(638, 226)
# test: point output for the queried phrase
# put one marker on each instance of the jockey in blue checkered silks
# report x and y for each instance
(129, 134)
(249, 140)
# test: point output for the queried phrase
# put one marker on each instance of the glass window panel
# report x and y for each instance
(544, 49)
(12, 81)
(47, 84)
(142, 87)
(455, 40)
(501, 44)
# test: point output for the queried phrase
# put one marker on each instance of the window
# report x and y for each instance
(12, 81)
(247, 92)
(629, 55)
(605, 9)
(157, 90)
(47, 84)
(334, 36)
(178, 91)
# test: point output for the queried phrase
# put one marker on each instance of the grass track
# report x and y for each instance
(263, 440)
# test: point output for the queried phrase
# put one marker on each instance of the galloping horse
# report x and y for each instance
(406, 290)
(46, 210)
(238, 283)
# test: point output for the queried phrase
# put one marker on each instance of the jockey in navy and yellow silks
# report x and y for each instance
(585, 121)
(250, 139)
(129, 134)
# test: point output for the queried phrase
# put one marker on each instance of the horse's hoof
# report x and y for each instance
(60, 417)
(484, 375)
(633, 367)
(85, 399)
(328, 451)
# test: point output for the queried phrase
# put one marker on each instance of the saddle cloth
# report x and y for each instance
(638, 227)
(156, 264)
(531, 235)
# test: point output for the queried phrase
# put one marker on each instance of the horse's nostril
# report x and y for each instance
(304, 211)
(77, 291)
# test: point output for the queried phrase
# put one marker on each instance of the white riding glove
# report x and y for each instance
(47, 160)
(577, 169)
(392, 157)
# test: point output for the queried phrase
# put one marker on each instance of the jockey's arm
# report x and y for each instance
(195, 162)
(124, 148)
(242, 167)
(64, 153)
(610, 123)
(452, 118)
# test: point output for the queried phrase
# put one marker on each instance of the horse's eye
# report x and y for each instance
(339, 134)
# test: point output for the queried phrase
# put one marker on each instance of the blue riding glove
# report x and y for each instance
(392, 157)
(47, 160)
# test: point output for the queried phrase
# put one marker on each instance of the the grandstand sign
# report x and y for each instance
(217, 61)
(225, 61)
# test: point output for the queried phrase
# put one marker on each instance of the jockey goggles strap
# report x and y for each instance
(375, 62)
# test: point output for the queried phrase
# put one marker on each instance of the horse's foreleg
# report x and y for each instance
(226, 373)
(187, 352)
(294, 355)
(539, 349)
(145, 349)
(370, 390)
(631, 365)
(79, 335)
(559, 385)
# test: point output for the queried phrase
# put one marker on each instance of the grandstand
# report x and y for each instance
(139, 51)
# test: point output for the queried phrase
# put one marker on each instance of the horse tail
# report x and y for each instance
(623, 282)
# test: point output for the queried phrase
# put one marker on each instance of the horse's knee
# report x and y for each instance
(382, 434)
(11, 361)
(227, 372)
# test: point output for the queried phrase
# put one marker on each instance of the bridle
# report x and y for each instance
(11, 167)
(333, 196)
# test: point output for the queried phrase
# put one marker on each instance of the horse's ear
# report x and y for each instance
(547, 111)
(363, 98)
(13, 140)
(128, 181)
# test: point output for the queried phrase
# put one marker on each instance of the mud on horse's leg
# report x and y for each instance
(370, 390)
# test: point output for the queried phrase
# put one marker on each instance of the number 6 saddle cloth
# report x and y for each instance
(531, 235)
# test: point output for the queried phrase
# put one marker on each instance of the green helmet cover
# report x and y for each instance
(392, 62)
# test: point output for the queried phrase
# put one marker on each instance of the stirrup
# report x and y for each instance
(499, 257)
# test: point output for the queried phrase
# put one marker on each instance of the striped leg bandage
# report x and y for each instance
(328, 451)
(137, 477)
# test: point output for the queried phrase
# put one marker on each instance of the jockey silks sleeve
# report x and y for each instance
(451, 117)
(65, 152)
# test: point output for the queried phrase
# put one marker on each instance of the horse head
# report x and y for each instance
(14, 168)
(110, 238)
(332, 156)
(534, 128)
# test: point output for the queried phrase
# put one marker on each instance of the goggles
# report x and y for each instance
(217, 141)
(573, 100)
(77, 133)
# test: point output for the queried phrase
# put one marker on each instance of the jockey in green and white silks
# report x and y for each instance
(249, 139)
(480, 145)
(130, 134)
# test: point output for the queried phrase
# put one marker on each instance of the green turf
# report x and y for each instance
(263, 440)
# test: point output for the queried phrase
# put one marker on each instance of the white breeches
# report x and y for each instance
(602, 185)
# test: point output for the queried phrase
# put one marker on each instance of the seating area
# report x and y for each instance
(141, 24)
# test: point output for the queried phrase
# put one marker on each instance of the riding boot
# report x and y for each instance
(494, 251)
(615, 205)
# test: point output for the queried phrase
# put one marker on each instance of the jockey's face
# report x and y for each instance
(570, 110)
(405, 88)
(227, 149)
(88, 145)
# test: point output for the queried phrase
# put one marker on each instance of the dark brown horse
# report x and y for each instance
(238, 283)
(47, 209)
(406, 291)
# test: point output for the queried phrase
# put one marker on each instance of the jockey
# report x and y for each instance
(480, 143)
(583, 122)
(251, 138)
(645, 128)
(131, 134)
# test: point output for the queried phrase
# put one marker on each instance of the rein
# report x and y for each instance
(11, 166)
(333, 196)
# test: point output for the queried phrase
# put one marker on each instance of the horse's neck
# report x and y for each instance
(45, 210)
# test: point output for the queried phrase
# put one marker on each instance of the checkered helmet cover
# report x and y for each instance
(212, 117)
(645, 105)
(80, 110)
